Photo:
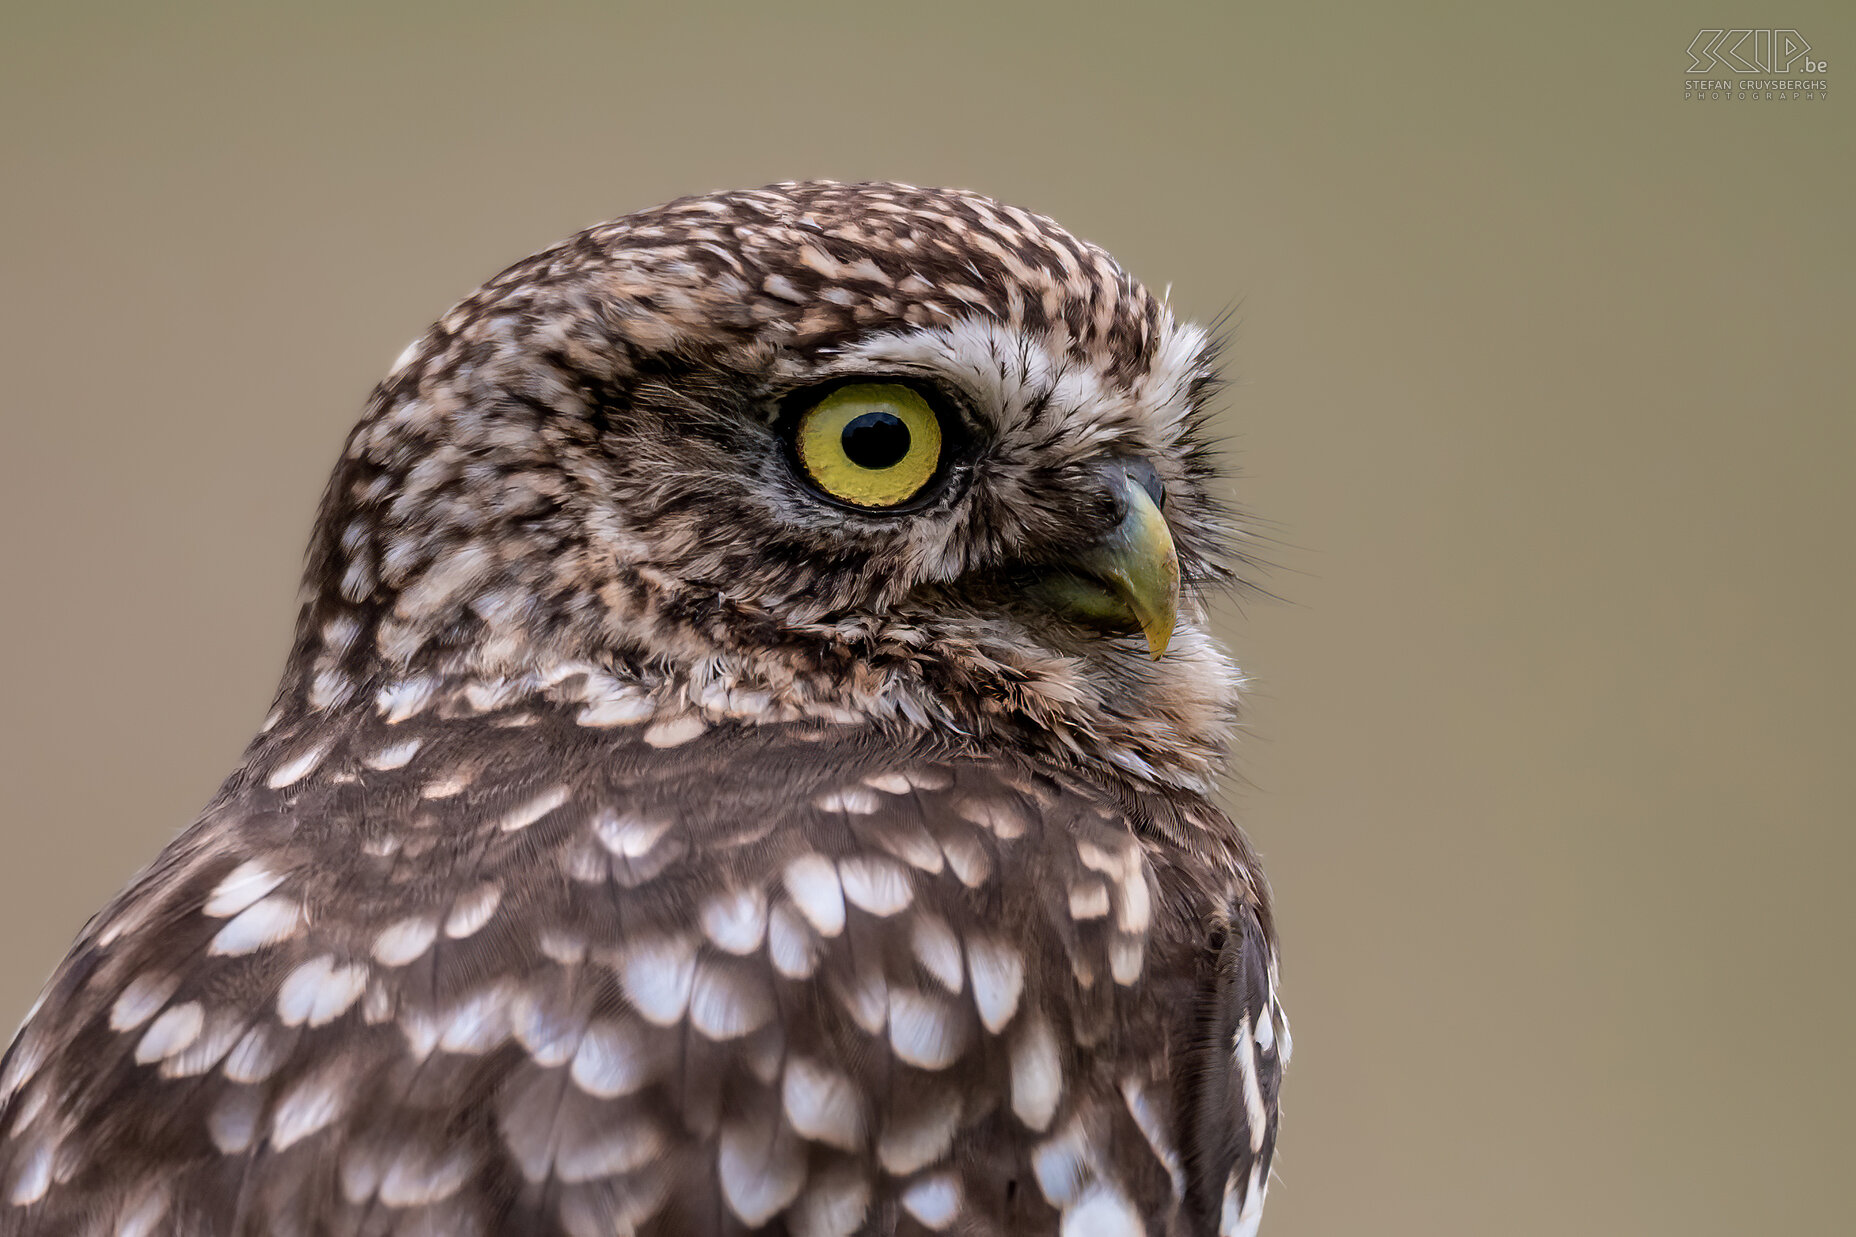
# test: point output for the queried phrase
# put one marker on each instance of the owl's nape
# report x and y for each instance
(744, 765)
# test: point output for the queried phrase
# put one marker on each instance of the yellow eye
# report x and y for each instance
(872, 444)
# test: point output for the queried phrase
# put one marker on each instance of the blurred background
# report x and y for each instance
(1543, 386)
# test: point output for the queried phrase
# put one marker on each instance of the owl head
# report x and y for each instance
(849, 452)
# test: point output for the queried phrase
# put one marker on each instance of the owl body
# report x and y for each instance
(650, 838)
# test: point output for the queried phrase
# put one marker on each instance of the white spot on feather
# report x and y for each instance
(878, 886)
(479, 1022)
(791, 945)
(1134, 906)
(299, 766)
(379, 1003)
(450, 574)
(263, 923)
(416, 1178)
(735, 919)
(813, 883)
(675, 731)
(998, 973)
(1098, 859)
(1063, 1163)
(405, 698)
(1088, 900)
(916, 1135)
(311, 1105)
(421, 1030)
(967, 856)
(319, 992)
(1037, 1073)
(852, 800)
(394, 755)
(242, 886)
(141, 1000)
(172, 1031)
(233, 1123)
(610, 1061)
(913, 846)
(1244, 1048)
(143, 1214)
(448, 784)
(935, 1201)
(627, 836)
(1154, 1130)
(1125, 956)
(937, 949)
(656, 974)
(472, 910)
(401, 943)
(223, 1029)
(35, 1174)
(405, 357)
(30, 1051)
(548, 1034)
(527, 813)
(865, 997)
(611, 1148)
(256, 1056)
(1102, 1211)
(1004, 819)
(728, 1000)
(1242, 1210)
(782, 287)
(761, 1167)
(616, 708)
(925, 1030)
(823, 1104)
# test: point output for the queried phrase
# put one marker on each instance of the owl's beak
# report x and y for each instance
(1130, 574)
(1138, 561)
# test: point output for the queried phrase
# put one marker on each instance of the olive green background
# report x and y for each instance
(1543, 385)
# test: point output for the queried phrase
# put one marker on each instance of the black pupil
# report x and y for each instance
(876, 440)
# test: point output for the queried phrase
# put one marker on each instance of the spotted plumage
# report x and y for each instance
(644, 842)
